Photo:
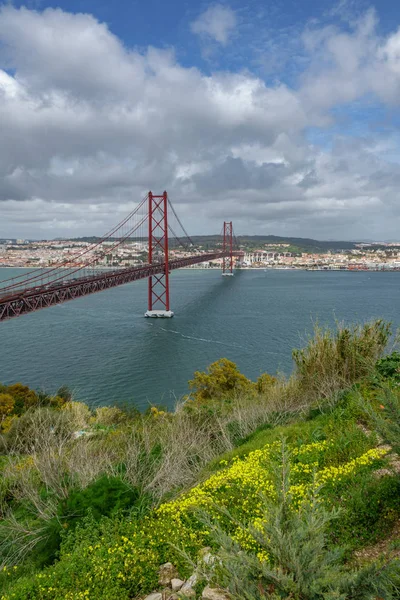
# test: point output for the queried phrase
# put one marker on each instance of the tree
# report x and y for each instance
(6, 405)
(23, 396)
(222, 380)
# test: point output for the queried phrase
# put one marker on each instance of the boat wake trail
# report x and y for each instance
(197, 339)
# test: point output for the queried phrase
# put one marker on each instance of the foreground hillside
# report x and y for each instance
(272, 489)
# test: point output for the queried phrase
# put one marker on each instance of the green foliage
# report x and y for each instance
(24, 398)
(222, 380)
(388, 367)
(338, 424)
(79, 414)
(6, 405)
(264, 383)
(332, 361)
(65, 393)
(107, 416)
(90, 481)
(294, 559)
(372, 508)
(385, 415)
(103, 497)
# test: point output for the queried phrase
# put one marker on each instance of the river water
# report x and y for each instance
(106, 352)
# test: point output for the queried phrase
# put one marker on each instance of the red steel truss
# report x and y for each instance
(227, 263)
(33, 295)
(49, 295)
(158, 251)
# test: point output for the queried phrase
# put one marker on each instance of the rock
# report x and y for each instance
(191, 582)
(155, 596)
(176, 584)
(188, 593)
(206, 557)
(210, 593)
(187, 588)
(166, 573)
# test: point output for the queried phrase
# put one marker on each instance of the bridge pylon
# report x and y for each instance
(158, 290)
(227, 262)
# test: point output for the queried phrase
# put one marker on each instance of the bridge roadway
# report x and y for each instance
(31, 299)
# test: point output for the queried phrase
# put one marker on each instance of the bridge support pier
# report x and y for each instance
(227, 264)
(158, 291)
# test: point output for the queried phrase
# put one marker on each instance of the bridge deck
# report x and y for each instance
(32, 299)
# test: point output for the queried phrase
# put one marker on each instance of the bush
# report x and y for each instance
(6, 407)
(40, 537)
(332, 361)
(103, 497)
(79, 414)
(293, 557)
(121, 560)
(388, 367)
(64, 393)
(24, 398)
(163, 452)
(222, 380)
(385, 416)
(106, 416)
(37, 428)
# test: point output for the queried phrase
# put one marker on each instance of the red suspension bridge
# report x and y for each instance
(79, 274)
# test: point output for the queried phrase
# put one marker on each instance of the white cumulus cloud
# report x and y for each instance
(88, 126)
(218, 22)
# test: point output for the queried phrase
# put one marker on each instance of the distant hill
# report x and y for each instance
(306, 244)
(255, 241)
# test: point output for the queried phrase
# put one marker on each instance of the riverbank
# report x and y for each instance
(352, 269)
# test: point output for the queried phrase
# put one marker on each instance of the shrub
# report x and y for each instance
(222, 380)
(103, 497)
(79, 414)
(24, 397)
(37, 428)
(293, 557)
(265, 382)
(388, 367)
(64, 393)
(385, 415)
(107, 416)
(124, 558)
(332, 361)
(6, 407)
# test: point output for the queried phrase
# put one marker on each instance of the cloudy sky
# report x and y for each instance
(280, 115)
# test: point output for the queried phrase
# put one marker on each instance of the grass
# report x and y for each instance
(123, 556)
(157, 458)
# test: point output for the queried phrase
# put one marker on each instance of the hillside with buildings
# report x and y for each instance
(259, 252)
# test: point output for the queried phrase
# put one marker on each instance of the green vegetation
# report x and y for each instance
(250, 242)
(295, 558)
(285, 480)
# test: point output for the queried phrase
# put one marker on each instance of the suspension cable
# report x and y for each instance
(121, 241)
(46, 272)
(180, 222)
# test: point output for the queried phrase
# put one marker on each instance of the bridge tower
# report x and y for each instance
(158, 291)
(227, 264)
